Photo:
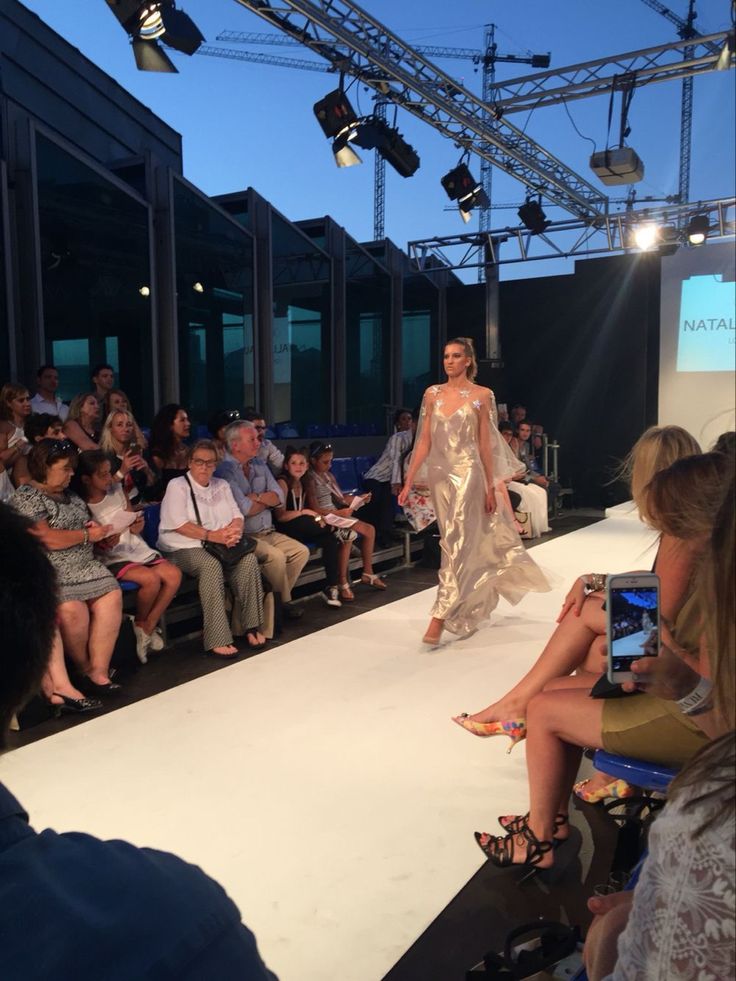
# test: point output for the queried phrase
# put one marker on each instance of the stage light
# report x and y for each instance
(144, 290)
(339, 122)
(532, 217)
(147, 22)
(461, 186)
(697, 229)
(373, 133)
(646, 235)
(668, 237)
(198, 287)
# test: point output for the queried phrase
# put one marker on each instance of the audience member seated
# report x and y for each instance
(517, 413)
(531, 456)
(169, 431)
(115, 400)
(132, 559)
(683, 501)
(124, 443)
(678, 922)
(103, 381)
(526, 497)
(256, 493)
(383, 480)
(90, 602)
(271, 455)
(578, 641)
(15, 408)
(325, 497)
(46, 399)
(298, 521)
(38, 426)
(181, 538)
(83, 422)
(99, 908)
(218, 423)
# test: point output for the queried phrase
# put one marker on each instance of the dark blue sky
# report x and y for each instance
(246, 124)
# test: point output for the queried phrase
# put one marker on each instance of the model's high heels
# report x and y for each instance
(515, 729)
(72, 705)
(615, 789)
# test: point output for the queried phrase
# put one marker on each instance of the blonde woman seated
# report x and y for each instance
(533, 497)
(180, 540)
(15, 410)
(82, 425)
(124, 442)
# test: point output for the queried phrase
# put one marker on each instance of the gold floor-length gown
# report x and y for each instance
(482, 555)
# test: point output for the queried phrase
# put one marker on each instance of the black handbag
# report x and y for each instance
(228, 556)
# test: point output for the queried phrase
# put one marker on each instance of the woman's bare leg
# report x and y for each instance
(105, 615)
(367, 540)
(74, 628)
(56, 681)
(566, 650)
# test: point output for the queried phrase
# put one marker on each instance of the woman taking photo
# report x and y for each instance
(123, 441)
(90, 607)
(307, 526)
(467, 464)
(181, 537)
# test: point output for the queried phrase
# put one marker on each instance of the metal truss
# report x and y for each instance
(565, 239)
(635, 68)
(382, 61)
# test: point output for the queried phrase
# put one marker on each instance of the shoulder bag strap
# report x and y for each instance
(194, 500)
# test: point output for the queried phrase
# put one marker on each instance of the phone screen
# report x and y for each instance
(634, 613)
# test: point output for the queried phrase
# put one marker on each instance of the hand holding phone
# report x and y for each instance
(632, 622)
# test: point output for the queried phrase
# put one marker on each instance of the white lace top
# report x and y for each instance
(683, 917)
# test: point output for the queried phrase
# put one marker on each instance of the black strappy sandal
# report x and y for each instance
(517, 824)
(500, 851)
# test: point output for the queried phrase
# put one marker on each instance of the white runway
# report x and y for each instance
(322, 783)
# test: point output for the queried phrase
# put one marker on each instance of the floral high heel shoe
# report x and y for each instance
(614, 789)
(515, 729)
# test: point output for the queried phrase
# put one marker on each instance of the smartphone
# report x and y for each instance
(632, 615)
(134, 448)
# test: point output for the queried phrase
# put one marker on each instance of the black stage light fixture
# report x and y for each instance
(669, 239)
(697, 230)
(374, 133)
(532, 217)
(148, 22)
(339, 123)
(461, 186)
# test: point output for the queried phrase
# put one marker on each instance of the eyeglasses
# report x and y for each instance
(211, 464)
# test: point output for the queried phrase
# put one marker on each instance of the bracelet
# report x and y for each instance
(690, 704)
(85, 539)
(595, 582)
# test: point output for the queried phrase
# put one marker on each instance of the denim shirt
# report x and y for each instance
(259, 481)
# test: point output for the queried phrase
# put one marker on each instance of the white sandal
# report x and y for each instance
(370, 579)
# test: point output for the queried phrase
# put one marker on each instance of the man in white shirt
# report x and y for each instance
(45, 400)
(270, 454)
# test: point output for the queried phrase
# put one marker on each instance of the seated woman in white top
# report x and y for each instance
(15, 408)
(131, 559)
(181, 537)
(533, 497)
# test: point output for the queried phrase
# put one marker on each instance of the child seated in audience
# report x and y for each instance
(131, 559)
(325, 497)
(39, 426)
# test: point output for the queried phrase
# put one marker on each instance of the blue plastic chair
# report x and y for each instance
(127, 586)
(285, 430)
(316, 431)
(639, 773)
(343, 467)
(151, 519)
(362, 465)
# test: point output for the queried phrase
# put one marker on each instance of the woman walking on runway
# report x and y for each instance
(467, 462)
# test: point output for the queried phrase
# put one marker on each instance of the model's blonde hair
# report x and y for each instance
(106, 438)
(466, 343)
(656, 449)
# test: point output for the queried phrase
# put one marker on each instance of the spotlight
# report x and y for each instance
(373, 133)
(669, 239)
(461, 186)
(697, 229)
(147, 22)
(144, 290)
(198, 287)
(645, 235)
(532, 217)
(339, 122)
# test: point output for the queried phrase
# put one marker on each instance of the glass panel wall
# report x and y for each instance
(367, 337)
(419, 338)
(95, 272)
(4, 325)
(214, 282)
(301, 328)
